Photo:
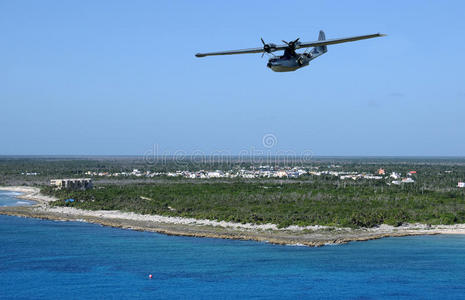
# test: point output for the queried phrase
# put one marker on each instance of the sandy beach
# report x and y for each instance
(292, 235)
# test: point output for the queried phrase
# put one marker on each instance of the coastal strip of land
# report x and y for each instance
(292, 235)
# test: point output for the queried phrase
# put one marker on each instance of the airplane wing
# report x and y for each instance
(241, 51)
(338, 41)
(297, 46)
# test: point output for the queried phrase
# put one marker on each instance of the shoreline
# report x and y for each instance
(314, 236)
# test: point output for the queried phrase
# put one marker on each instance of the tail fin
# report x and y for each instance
(319, 50)
(322, 37)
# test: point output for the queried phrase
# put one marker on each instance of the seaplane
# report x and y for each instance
(291, 60)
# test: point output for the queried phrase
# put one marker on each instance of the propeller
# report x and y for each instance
(268, 48)
(292, 44)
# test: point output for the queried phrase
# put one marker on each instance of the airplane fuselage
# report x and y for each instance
(292, 60)
(289, 63)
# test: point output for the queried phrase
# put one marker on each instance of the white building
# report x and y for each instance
(461, 185)
(407, 180)
(395, 175)
(72, 183)
(281, 174)
(215, 174)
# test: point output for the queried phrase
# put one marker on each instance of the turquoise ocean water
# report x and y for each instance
(51, 259)
(8, 198)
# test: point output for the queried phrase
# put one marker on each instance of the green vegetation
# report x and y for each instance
(308, 200)
(286, 203)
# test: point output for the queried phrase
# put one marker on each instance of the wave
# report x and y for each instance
(10, 193)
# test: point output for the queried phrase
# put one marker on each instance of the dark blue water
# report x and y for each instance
(48, 259)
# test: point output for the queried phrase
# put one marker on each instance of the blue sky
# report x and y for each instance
(117, 77)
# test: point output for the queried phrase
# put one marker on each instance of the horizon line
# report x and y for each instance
(213, 155)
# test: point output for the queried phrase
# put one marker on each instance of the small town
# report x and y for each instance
(266, 171)
(395, 178)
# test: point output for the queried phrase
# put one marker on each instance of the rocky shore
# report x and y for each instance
(293, 235)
